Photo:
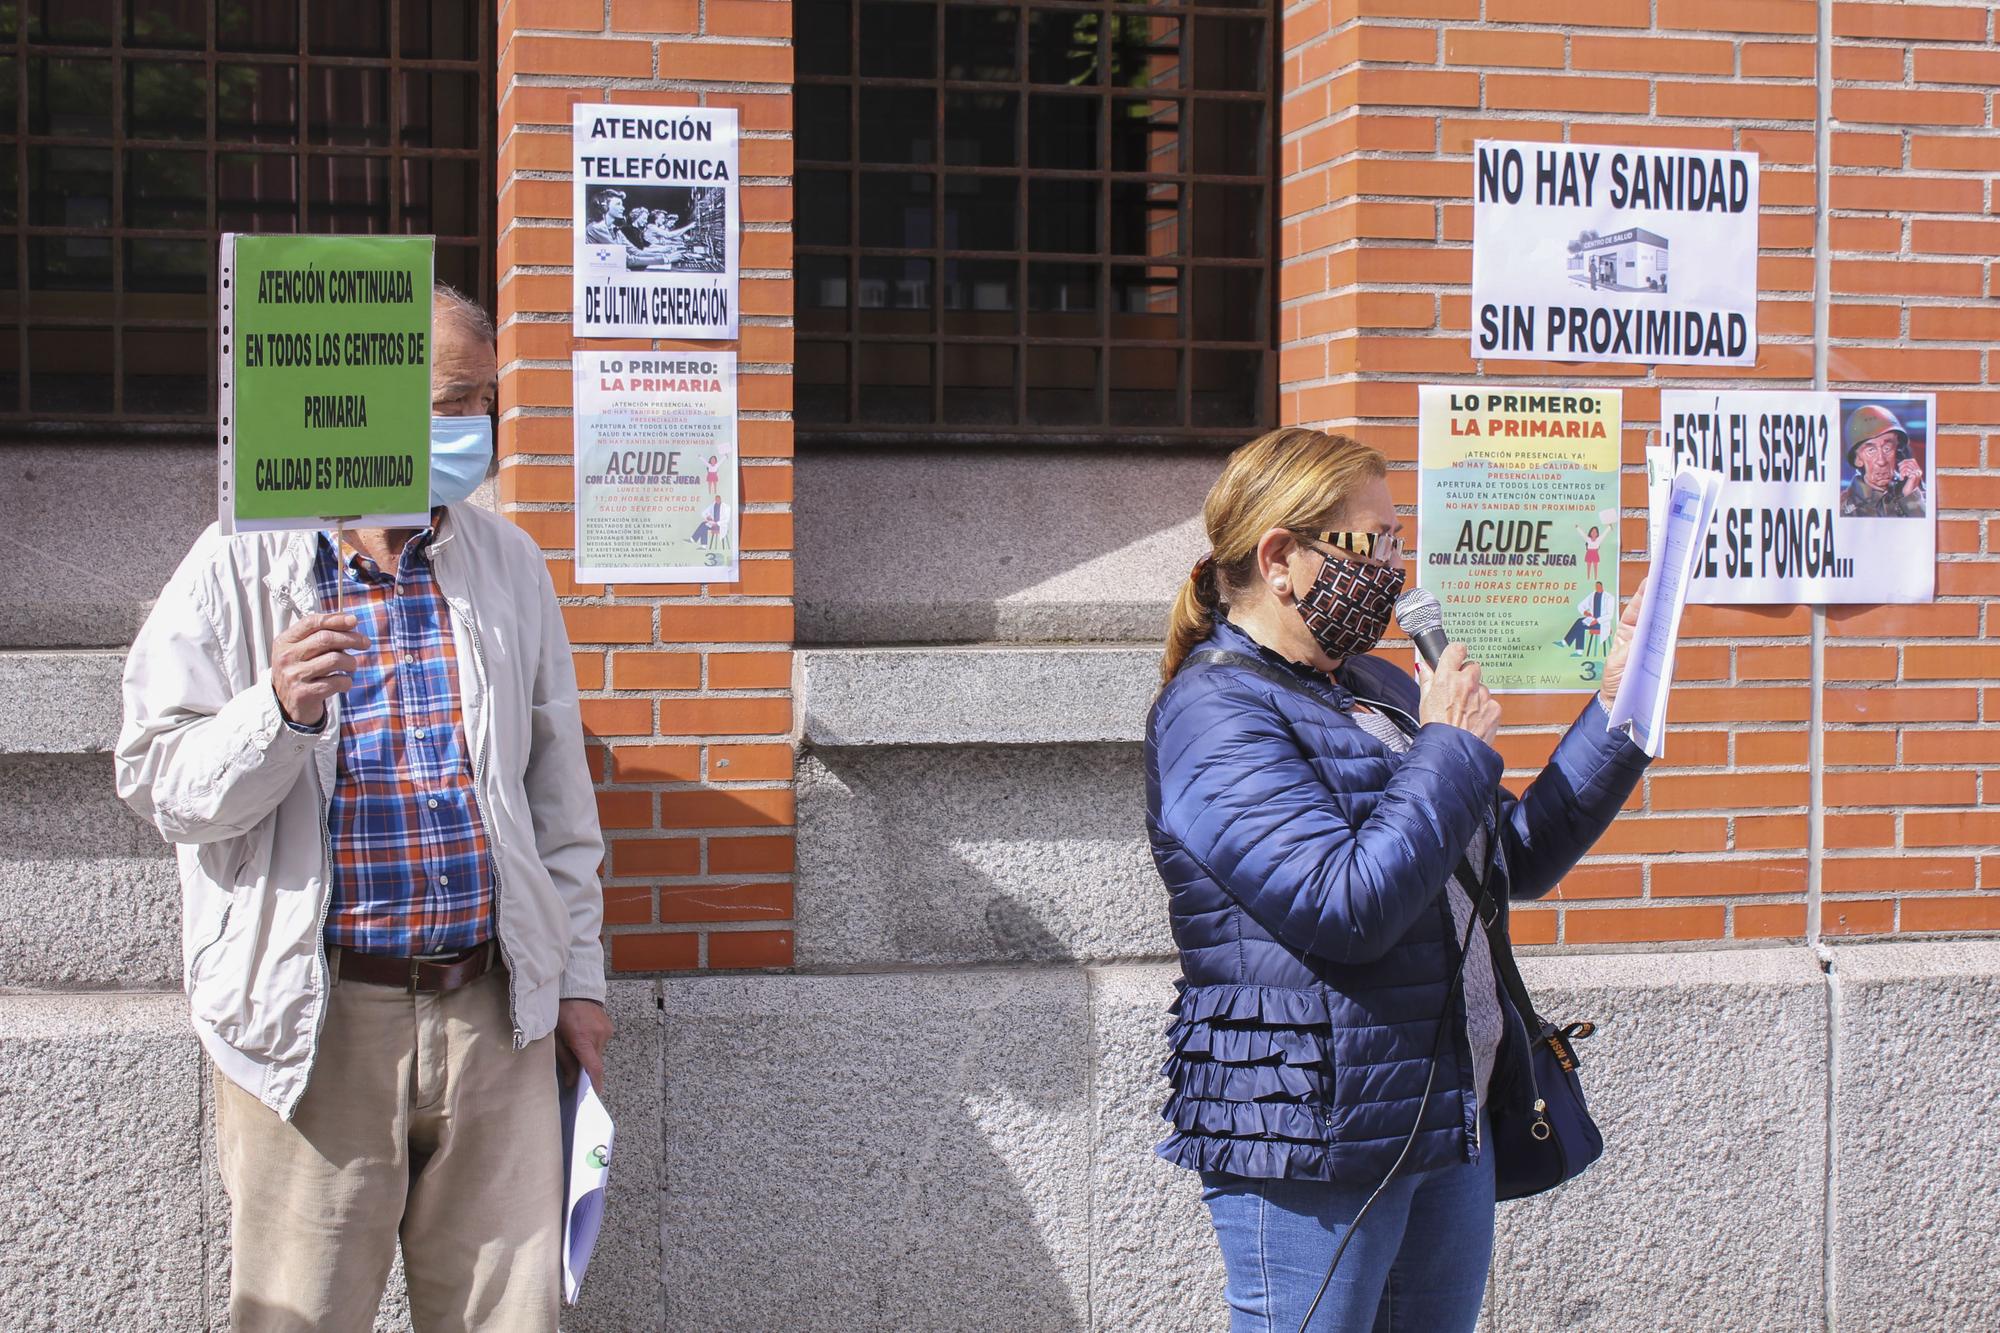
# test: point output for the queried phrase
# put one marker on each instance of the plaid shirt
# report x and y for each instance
(411, 874)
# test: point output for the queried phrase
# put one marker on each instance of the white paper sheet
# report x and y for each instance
(1641, 705)
(587, 1134)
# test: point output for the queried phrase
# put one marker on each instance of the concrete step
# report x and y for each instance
(60, 702)
(990, 694)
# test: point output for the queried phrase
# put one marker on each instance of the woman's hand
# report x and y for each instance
(1453, 695)
(1621, 645)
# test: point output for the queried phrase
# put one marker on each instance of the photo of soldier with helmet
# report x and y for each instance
(1882, 470)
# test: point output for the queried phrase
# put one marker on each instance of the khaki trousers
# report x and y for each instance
(421, 1123)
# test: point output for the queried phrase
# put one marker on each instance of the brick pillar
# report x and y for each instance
(687, 689)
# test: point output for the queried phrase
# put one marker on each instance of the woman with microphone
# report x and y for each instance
(1323, 827)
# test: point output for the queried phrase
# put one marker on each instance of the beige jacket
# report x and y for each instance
(205, 755)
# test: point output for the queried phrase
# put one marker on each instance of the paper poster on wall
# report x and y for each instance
(324, 386)
(1582, 252)
(656, 492)
(657, 214)
(1828, 498)
(1517, 527)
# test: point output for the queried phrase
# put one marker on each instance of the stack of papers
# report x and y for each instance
(586, 1134)
(1682, 527)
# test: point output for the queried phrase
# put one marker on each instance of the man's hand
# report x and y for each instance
(583, 1028)
(1621, 645)
(311, 661)
(1911, 473)
(1453, 695)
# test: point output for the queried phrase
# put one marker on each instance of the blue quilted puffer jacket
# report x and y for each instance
(1305, 866)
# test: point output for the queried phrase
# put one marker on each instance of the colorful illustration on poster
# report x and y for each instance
(1828, 499)
(1517, 506)
(1583, 252)
(656, 467)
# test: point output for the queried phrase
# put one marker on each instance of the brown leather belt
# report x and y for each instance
(443, 973)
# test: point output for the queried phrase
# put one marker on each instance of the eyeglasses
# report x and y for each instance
(1381, 547)
(1882, 446)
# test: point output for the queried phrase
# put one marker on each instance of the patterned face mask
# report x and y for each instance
(1349, 605)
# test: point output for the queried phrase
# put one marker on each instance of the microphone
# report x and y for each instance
(1418, 612)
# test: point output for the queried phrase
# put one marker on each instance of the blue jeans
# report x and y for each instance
(1417, 1265)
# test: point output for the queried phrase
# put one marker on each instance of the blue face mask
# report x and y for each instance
(461, 451)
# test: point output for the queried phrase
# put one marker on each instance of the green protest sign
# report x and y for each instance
(325, 392)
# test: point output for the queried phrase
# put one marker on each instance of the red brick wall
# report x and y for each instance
(1382, 101)
(687, 690)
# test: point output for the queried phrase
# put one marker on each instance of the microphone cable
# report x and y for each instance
(1430, 1079)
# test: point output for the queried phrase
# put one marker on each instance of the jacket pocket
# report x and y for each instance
(203, 954)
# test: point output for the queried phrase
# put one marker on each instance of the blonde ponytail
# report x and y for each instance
(1291, 478)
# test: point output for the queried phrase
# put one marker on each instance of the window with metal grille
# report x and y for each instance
(143, 129)
(1031, 220)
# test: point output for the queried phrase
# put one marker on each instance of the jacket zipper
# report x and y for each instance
(492, 845)
(325, 971)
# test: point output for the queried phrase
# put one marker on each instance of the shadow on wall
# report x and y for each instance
(905, 547)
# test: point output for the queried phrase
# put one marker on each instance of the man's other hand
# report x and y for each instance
(583, 1029)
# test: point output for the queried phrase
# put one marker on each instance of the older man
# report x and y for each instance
(369, 755)
(1888, 481)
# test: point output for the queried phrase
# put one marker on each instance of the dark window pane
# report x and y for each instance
(170, 23)
(979, 212)
(256, 103)
(166, 189)
(823, 205)
(822, 35)
(256, 192)
(69, 97)
(460, 266)
(10, 212)
(346, 105)
(1229, 138)
(1062, 47)
(1062, 216)
(1062, 132)
(1062, 300)
(347, 194)
(69, 187)
(1145, 302)
(441, 31)
(820, 381)
(1145, 218)
(979, 384)
(980, 42)
(1228, 388)
(981, 129)
(896, 211)
(69, 370)
(979, 296)
(1062, 385)
(349, 28)
(895, 382)
(1145, 388)
(166, 266)
(1229, 221)
(10, 369)
(897, 41)
(69, 264)
(71, 22)
(1145, 51)
(441, 197)
(825, 132)
(1226, 54)
(822, 293)
(894, 296)
(241, 25)
(166, 99)
(1145, 136)
(440, 110)
(1228, 305)
(10, 92)
(898, 125)
(166, 372)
